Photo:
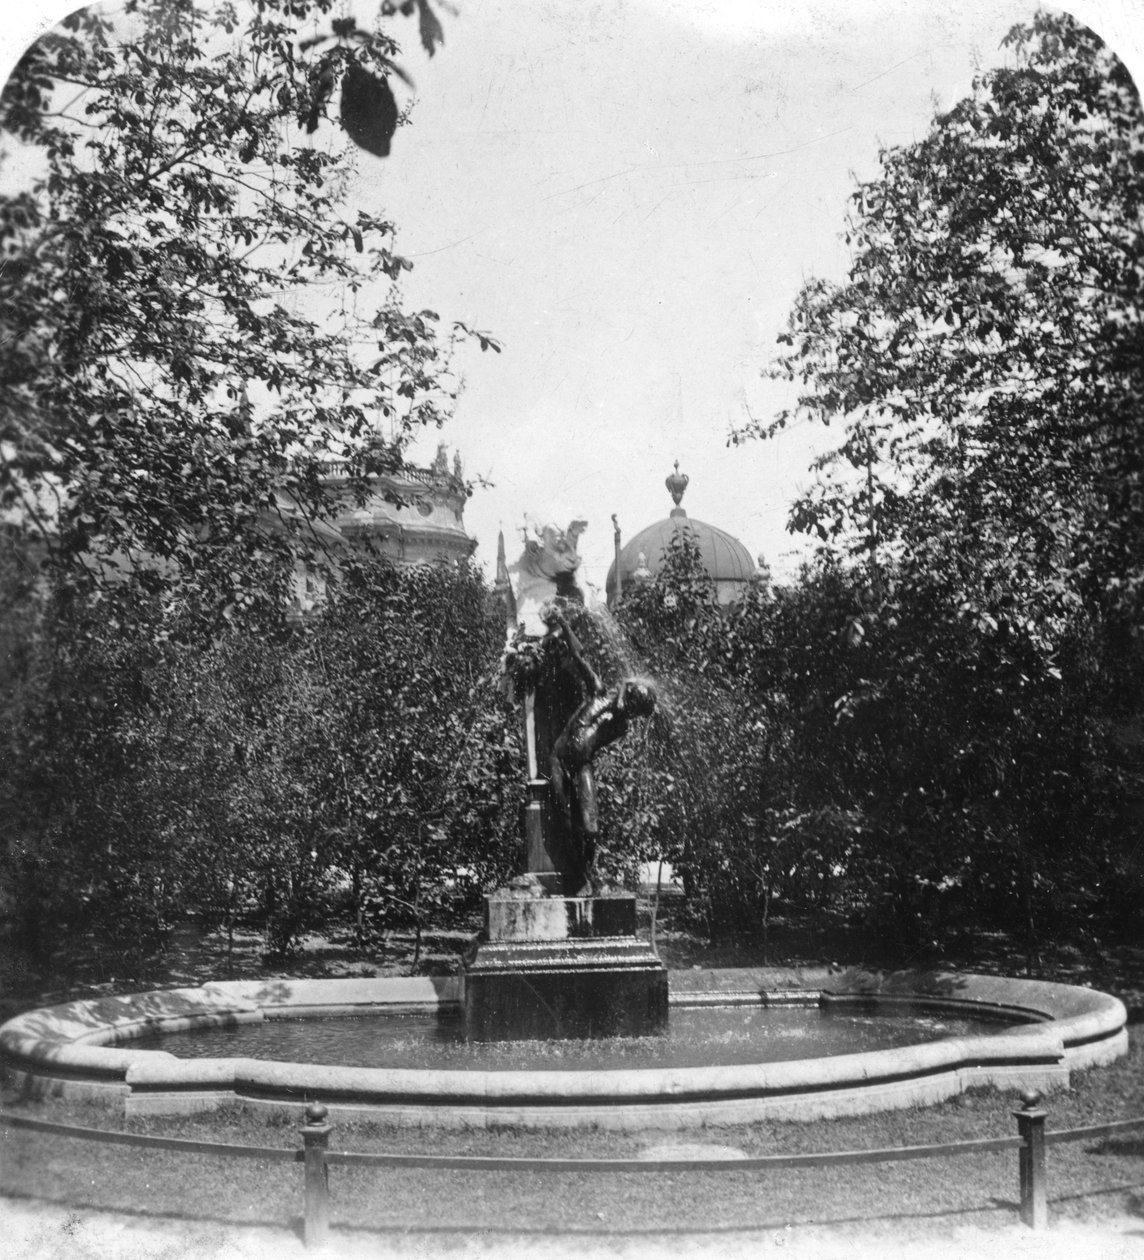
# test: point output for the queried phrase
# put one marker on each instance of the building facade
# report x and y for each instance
(415, 516)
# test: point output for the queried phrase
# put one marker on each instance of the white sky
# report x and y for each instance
(629, 194)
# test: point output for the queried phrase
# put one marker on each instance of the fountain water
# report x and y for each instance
(616, 640)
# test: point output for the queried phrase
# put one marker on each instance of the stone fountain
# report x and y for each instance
(559, 957)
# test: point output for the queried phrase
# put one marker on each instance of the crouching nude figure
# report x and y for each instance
(603, 717)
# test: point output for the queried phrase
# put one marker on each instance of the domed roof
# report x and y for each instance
(727, 561)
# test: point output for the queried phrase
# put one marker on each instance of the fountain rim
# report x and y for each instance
(78, 1050)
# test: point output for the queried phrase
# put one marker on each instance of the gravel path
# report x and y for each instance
(36, 1231)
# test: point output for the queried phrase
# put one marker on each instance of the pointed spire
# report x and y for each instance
(502, 564)
(502, 586)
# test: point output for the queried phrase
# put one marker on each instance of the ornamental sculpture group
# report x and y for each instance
(570, 716)
(559, 955)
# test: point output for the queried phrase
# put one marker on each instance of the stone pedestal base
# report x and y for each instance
(562, 967)
(514, 918)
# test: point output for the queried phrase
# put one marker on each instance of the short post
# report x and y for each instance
(316, 1203)
(1031, 1130)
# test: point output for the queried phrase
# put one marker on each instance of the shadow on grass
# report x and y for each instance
(1117, 1146)
(295, 1224)
(697, 1231)
(1133, 1207)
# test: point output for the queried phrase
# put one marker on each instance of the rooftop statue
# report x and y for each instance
(547, 567)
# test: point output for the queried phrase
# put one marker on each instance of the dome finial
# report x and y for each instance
(676, 484)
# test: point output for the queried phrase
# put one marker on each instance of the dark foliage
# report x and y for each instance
(361, 765)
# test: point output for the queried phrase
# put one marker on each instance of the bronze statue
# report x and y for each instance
(603, 717)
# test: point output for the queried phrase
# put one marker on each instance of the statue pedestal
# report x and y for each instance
(562, 967)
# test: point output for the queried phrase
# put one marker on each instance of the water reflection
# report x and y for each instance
(707, 1036)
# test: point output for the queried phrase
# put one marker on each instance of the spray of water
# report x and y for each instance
(618, 642)
(631, 667)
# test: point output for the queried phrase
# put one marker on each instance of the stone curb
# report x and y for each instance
(74, 1051)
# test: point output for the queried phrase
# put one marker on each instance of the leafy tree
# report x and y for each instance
(236, 735)
(78, 833)
(984, 354)
(172, 379)
(959, 792)
(363, 761)
(972, 655)
(692, 787)
(898, 767)
(417, 764)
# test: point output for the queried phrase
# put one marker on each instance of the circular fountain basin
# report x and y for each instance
(83, 1049)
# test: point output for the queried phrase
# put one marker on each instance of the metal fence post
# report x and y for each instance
(316, 1204)
(1031, 1130)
